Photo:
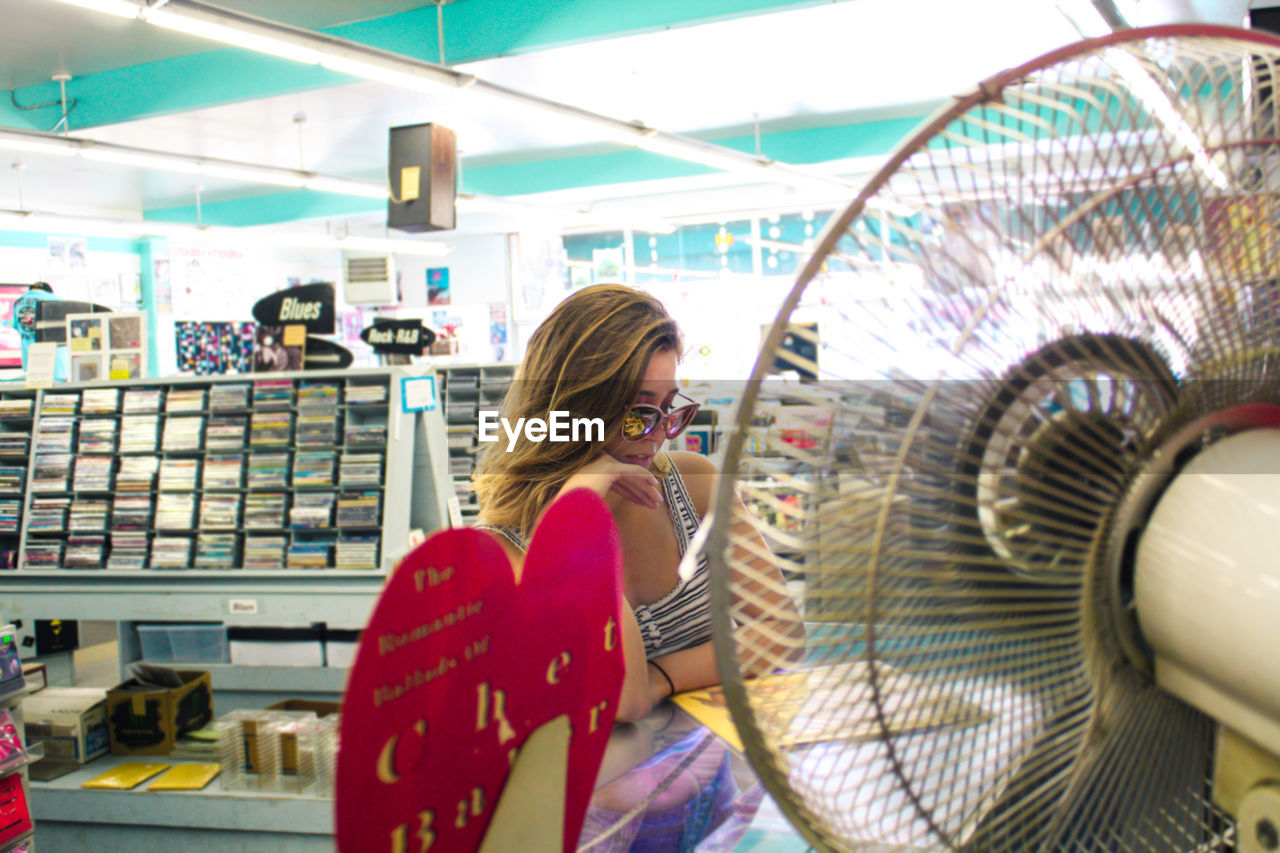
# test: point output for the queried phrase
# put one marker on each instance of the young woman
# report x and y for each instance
(610, 352)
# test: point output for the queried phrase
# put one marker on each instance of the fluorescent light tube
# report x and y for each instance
(279, 177)
(430, 84)
(141, 160)
(38, 146)
(119, 8)
(709, 156)
(368, 189)
(184, 23)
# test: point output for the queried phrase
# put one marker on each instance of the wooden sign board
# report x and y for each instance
(462, 673)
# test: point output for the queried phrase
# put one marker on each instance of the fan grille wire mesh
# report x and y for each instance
(1051, 275)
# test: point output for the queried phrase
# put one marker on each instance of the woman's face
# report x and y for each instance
(658, 389)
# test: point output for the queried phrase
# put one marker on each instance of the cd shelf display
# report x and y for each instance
(274, 473)
(464, 391)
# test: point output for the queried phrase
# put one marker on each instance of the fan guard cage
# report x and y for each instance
(1054, 274)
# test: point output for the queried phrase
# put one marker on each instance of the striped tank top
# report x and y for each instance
(682, 617)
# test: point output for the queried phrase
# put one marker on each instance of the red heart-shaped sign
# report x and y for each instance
(459, 664)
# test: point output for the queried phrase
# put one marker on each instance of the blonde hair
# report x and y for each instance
(588, 358)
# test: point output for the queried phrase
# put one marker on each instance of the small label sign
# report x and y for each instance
(398, 336)
(242, 606)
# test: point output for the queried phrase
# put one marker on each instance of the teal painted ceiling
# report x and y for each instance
(824, 84)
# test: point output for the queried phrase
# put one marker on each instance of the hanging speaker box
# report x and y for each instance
(423, 173)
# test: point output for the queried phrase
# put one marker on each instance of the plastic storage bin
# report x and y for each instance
(184, 643)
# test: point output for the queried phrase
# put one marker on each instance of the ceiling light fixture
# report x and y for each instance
(348, 57)
(34, 220)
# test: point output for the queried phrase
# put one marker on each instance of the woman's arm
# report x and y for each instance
(615, 482)
(774, 634)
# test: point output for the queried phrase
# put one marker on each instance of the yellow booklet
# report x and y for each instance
(122, 777)
(186, 777)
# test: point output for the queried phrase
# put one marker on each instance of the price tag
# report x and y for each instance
(417, 393)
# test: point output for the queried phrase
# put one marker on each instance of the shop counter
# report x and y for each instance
(665, 783)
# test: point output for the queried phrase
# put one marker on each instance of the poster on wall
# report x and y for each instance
(10, 340)
(214, 348)
(210, 282)
(498, 330)
(68, 254)
(438, 286)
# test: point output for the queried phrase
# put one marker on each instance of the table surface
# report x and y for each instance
(665, 783)
(669, 783)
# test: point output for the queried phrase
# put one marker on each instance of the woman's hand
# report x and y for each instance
(606, 476)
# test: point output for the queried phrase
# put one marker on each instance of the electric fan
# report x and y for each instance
(1034, 500)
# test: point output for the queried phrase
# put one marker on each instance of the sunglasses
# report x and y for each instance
(642, 419)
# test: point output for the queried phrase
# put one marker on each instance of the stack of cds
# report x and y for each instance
(220, 511)
(356, 552)
(366, 435)
(98, 435)
(12, 478)
(52, 472)
(175, 511)
(264, 510)
(268, 470)
(185, 400)
(128, 551)
(48, 515)
(226, 432)
(229, 397)
(100, 401)
(313, 469)
(275, 394)
(10, 515)
(88, 514)
(223, 472)
(138, 433)
(216, 550)
(317, 428)
(59, 404)
(170, 552)
(142, 400)
(17, 407)
(361, 395)
(179, 475)
(270, 429)
(15, 443)
(54, 435)
(318, 395)
(264, 552)
(311, 509)
(43, 554)
(85, 552)
(183, 433)
(358, 509)
(308, 553)
(137, 473)
(93, 474)
(131, 513)
(360, 469)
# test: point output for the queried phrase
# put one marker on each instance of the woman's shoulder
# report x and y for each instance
(699, 475)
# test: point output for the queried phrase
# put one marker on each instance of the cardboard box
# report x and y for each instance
(144, 719)
(71, 722)
(36, 674)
